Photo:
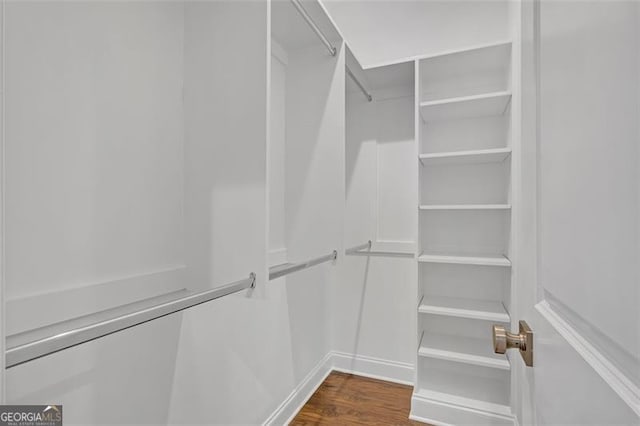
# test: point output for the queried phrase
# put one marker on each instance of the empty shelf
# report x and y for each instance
(465, 259)
(467, 350)
(465, 206)
(495, 155)
(464, 308)
(465, 107)
(477, 404)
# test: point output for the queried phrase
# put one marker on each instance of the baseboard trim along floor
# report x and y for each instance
(374, 368)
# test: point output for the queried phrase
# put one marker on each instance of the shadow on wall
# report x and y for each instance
(314, 195)
(365, 278)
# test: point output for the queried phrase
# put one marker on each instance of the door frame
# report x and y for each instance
(2, 192)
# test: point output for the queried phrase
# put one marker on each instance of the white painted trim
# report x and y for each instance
(614, 377)
(430, 410)
(375, 368)
(269, 45)
(2, 204)
(300, 394)
(278, 52)
(278, 256)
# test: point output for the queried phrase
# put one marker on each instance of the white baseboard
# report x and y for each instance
(427, 410)
(390, 371)
(441, 413)
(375, 368)
(301, 394)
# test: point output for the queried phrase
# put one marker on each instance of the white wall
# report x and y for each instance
(386, 31)
(94, 177)
(234, 355)
(94, 196)
(314, 194)
(276, 153)
(126, 173)
(374, 301)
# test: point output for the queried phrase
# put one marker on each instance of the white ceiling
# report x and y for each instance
(383, 31)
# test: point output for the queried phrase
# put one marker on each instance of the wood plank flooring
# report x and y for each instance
(345, 399)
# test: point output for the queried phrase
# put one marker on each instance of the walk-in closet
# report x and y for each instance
(327, 212)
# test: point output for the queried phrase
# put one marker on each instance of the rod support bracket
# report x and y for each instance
(252, 277)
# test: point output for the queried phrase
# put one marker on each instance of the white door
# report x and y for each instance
(580, 231)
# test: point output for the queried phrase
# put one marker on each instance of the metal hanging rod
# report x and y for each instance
(32, 344)
(358, 251)
(358, 248)
(287, 268)
(364, 91)
(332, 50)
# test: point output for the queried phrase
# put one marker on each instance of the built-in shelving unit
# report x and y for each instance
(465, 259)
(463, 100)
(465, 106)
(464, 308)
(454, 398)
(465, 206)
(466, 157)
(467, 350)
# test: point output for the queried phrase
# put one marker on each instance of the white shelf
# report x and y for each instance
(464, 308)
(494, 155)
(467, 350)
(486, 104)
(477, 404)
(465, 207)
(465, 259)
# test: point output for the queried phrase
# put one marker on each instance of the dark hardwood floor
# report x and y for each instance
(345, 399)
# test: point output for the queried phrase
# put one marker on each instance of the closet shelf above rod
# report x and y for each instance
(43, 341)
(314, 27)
(287, 268)
(358, 251)
(362, 88)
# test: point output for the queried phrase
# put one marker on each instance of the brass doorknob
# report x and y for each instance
(503, 340)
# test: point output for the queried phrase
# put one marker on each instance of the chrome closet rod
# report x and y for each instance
(43, 341)
(355, 249)
(364, 91)
(287, 268)
(314, 27)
